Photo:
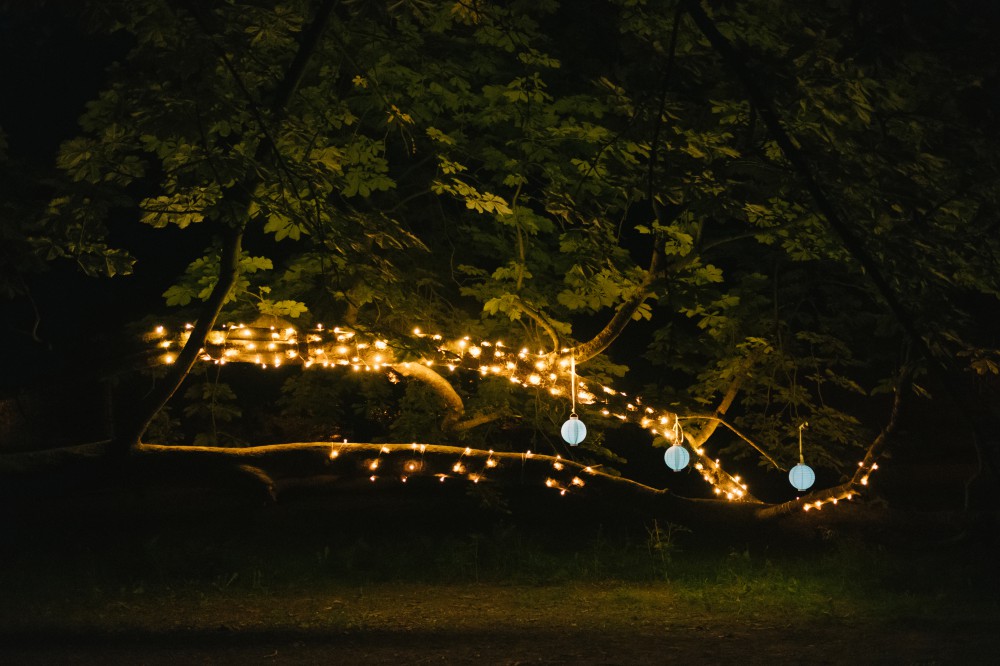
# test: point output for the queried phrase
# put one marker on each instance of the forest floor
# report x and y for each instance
(119, 578)
(480, 624)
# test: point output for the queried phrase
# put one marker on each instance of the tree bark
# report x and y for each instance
(229, 260)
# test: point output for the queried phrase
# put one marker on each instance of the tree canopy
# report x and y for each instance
(774, 206)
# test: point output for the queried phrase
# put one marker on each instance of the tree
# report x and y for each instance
(540, 170)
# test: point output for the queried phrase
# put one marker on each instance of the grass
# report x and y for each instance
(380, 567)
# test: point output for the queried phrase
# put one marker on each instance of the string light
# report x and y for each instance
(339, 346)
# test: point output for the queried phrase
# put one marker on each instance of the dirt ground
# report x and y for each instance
(475, 624)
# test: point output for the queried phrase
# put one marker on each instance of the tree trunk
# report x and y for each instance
(235, 198)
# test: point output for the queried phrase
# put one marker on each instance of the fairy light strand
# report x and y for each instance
(327, 347)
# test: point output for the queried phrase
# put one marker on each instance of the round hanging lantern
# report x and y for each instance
(801, 476)
(573, 431)
(676, 457)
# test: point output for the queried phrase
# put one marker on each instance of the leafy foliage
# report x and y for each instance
(528, 169)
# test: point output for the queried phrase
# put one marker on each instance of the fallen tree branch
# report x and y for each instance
(269, 472)
(858, 482)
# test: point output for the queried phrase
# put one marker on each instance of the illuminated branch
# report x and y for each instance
(229, 260)
(478, 420)
(816, 500)
(719, 421)
(541, 321)
(548, 373)
(713, 421)
(280, 467)
(454, 405)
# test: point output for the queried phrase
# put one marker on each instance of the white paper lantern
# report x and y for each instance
(801, 476)
(573, 431)
(676, 457)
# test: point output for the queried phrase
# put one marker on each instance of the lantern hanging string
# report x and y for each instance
(804, 424)
(572, 383)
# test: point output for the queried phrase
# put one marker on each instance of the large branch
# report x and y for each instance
(453, 403)
(539, 319)
(859, 481)
(588, 350)
(720, 421)
(272, 472)
(277, 469)
(236, 197)
(229, 260)
(714, 421)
